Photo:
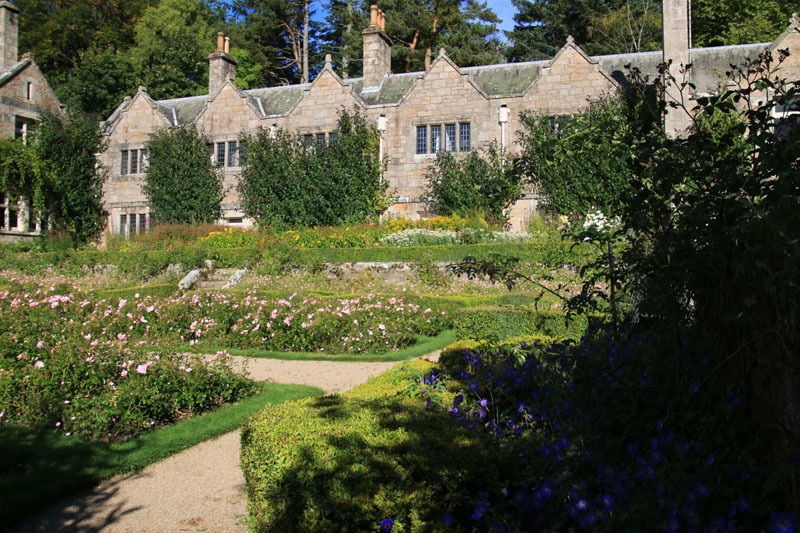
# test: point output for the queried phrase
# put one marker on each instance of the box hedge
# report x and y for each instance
(346, 462)
(495, 323)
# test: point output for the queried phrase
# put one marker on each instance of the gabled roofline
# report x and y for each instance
(112, 121)
(11, 72)
(254, 106)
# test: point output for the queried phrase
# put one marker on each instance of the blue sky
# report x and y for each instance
(505, 11)
(502, 8)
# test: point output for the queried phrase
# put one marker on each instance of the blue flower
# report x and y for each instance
(465, 375)
(387, 524)
(483, 402)
(480, 510)
(608, 502)
(473, 386)
(783, 522)
(454, 410)
(547, 490)
(448, 520)
(458, 399)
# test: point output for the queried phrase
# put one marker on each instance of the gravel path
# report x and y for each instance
(199, 489)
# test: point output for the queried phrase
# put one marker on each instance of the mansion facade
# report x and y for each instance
(419, 113)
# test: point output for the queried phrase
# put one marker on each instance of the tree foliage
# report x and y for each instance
(293, 181)
(582, 162)
(66, 148)
(482, 181)
(181, 184)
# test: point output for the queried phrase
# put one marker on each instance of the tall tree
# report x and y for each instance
(281, 35)
(59, 32)
(418, 28)
(634, 26)
(724, 22)
(173, 40)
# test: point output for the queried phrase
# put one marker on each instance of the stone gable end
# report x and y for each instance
(228, 115)
(567, 84)
(14, 99)
(318, 109)
(790, 69)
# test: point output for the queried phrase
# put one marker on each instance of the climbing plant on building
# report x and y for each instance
(484, 181)
(324, 178)
(181, 184)
(66, 149)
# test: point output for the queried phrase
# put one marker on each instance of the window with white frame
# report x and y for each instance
(132, 223)
(228, 154)
(457, 138)
(133, 161)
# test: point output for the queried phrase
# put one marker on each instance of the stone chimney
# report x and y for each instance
(221, 65)
(377, 49)
(677, 39)
(9, 25)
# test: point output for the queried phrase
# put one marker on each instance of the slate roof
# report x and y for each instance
(708, 64)
(503, 80)
(9, 72)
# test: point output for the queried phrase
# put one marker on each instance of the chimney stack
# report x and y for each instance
(221, 65)
(677, 39)
(9, 31)
(377, 49)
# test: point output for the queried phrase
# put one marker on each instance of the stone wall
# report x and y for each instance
(14, 100)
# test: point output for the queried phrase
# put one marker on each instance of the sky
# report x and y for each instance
(505, 11)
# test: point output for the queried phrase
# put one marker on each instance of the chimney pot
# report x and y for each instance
(227, 45)
(220, 41)
(373, 15)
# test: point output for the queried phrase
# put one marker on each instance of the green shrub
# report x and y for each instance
(181, 185)
(452, 356)
(580, 162)
(492, 323)
(346, 462)
(289, 182)
(481, 181)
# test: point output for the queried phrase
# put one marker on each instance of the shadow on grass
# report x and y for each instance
(372, 459)
(39, 468)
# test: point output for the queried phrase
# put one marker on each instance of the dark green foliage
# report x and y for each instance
(181, 185)
(723, 22)
(579, 163)
(67, 148)
(344, 463)
(104, 78)
(288, 182)
(714, 219)
(493, 324)
(482, 181)
(19, 172)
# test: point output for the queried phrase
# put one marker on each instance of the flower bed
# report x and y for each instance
(362, 324)
(110, 393)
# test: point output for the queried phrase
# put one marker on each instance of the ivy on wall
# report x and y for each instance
(326, 179)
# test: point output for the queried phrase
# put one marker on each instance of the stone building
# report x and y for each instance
(419, 113)
(24, 96)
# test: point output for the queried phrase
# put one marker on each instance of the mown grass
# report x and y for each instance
(39, 468)
(422, 346)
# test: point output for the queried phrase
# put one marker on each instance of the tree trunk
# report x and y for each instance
(429, 48)
(304, 77)
(345, 50)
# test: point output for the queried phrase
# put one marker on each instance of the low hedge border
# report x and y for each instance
(152, 262)
(346, 462)
(45, 466)
(452, 356)
(423, 345)
(495, 323)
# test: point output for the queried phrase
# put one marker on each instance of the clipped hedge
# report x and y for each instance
(152, 262)
(494, 323)
(451, 357)
(346, 462)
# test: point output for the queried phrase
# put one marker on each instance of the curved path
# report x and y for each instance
(198, 489)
